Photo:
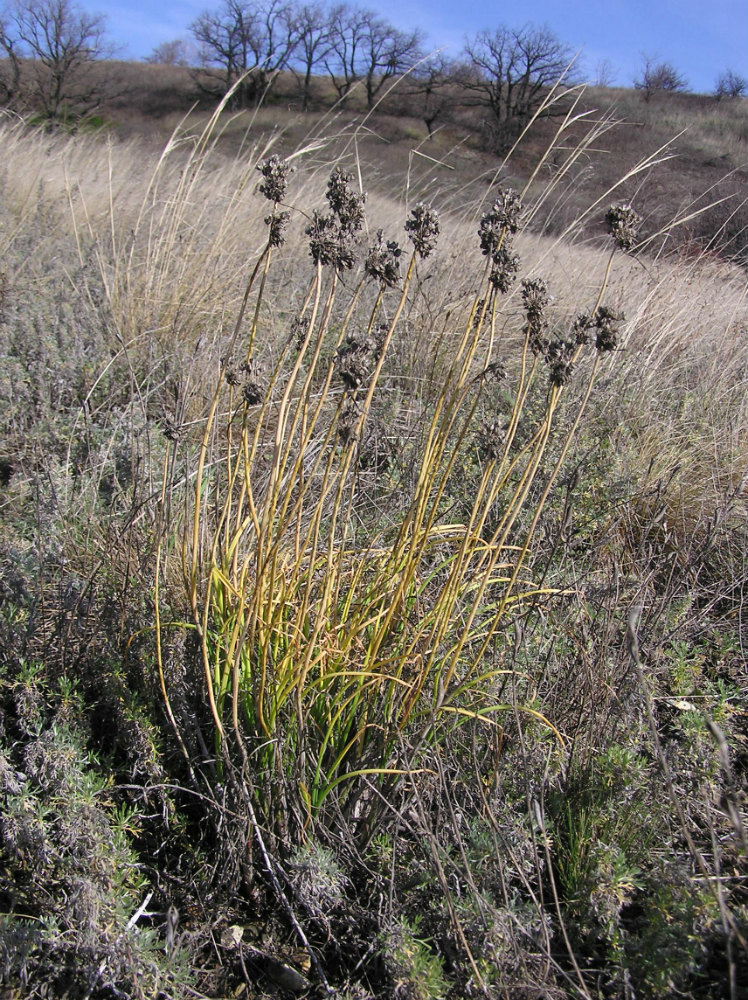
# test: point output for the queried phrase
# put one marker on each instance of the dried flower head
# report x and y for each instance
(275, 178)
(581, 327)
(623, 225)
(379, 337)
(504, 217)
(329, 243)
(347, 421)
(253, 391)
(423, 229)
(383, 261)
(353, 360)
(233, 376)
(346, 204)
(535, 298)
(299, 330)
(560, 371)
(504, 268)
(277, 222)
(491, 435)
(172, 430)
(606, 323)
(493, 372)
(478, 315)
(558, 354)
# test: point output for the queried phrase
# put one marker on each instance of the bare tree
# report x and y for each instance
(61, 42)
(386, 52)
(277, 36)
(510, 71)
(428, 84)
(173, 53)
(363, 46)
(604, 74)
(10, 68)
(348, 27)
(730, 84)
(221, 36)
(659, 77)
(241, 38)
(313, 27)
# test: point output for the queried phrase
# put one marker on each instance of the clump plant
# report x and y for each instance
(336, 649)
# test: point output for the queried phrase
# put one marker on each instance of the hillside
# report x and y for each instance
(373, 568)
(705, 142)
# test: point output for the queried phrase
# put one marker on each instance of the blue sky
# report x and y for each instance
(701, 38)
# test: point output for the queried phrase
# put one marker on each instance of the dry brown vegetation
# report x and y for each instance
(375, 630)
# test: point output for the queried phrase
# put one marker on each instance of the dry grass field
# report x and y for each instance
(373, 555)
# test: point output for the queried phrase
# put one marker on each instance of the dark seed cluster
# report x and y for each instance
(423, 229)
(504, 267)
(299, 330)
(358, 355)
(354, 360)
(494, 372)
(606, 324)
(275, 171)
(491, 436)
(346, 204)
(247, 376)
(383, 261)
(504, 217)
(277, 223)
(581, 327)
(495, 230)
(330, 244)
(558, 354)
(535, 298)
(347, 420)
(233, 376)
(172, 430)
(332, 238)
(478, 315)
(623, 225)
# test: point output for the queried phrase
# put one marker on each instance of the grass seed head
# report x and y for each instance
(172, 430)
(233, 377)
(383, 261)
(345, 203)
(277, 223)
(504, 267)
(494, 372)
(299, 330)
(352, 361)
(253, 391)
(535, 298)
(275, 171)
(423, 229)
(558, 354)
(580, 328)
(491, 439)
(347, 421)
(606, 324)
(623, 225)
(329, 243)
(504, 217)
